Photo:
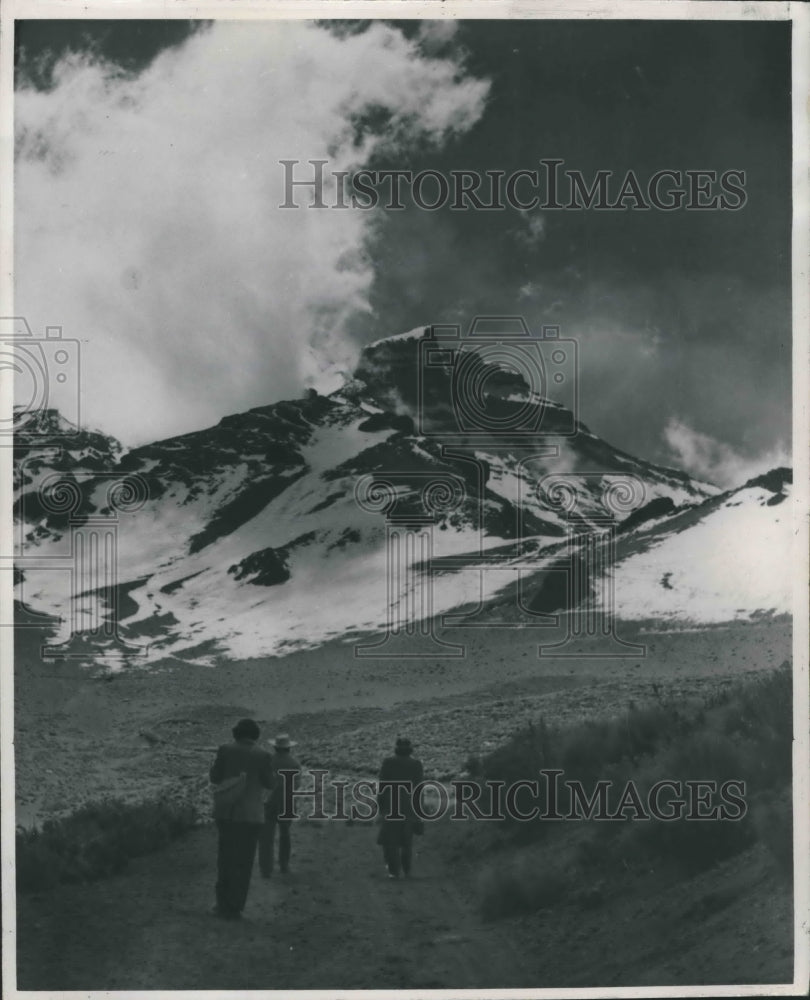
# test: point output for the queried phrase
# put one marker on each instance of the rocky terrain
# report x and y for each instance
(232, 541)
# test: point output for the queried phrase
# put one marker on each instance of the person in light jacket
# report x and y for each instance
(285, 768)
(239, 822)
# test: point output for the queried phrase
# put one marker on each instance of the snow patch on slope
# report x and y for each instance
(734, 563)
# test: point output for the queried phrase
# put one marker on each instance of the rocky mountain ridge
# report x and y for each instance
(271, 530)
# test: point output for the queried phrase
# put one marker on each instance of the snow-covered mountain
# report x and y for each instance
(269, 530)
(729, 558)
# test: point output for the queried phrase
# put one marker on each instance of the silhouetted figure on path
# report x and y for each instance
(399, 777)
(241, 773)
(283, 761)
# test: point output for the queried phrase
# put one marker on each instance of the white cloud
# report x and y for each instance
(535, 231)
(147, 219)
(531, 290)
(435, 34)
(707, 458)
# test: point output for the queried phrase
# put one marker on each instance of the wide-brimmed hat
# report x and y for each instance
(283, 742)
(403, 745)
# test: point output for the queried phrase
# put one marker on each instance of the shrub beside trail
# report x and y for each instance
(743, 735)
(97, 840)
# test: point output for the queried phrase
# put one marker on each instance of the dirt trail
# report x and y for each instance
(336, 919)
(338, 922)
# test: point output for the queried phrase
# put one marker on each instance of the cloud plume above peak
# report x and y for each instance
(716, 462)
(147, 221)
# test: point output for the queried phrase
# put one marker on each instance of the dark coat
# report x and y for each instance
(399, 776)
(231, 760)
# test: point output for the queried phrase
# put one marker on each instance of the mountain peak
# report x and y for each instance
(48, 427)
(42, 423)
(257, 518)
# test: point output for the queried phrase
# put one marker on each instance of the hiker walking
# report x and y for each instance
(399, 777)
(241, 772)
(285, 768)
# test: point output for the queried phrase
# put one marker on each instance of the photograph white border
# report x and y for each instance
(798, 13)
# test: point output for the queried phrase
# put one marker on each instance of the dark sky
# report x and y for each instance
(713, 288)
(131, 45)
(680, 315)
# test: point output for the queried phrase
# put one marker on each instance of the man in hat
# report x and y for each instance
(285, 768)
(399, 777)
(242, 771)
